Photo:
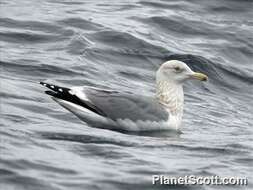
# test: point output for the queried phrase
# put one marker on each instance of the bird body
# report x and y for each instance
(130, 112)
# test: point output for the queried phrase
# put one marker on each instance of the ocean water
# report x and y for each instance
(120, 44)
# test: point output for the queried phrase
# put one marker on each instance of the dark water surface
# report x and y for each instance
(120, 44)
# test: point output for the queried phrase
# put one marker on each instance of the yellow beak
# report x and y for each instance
(199, 76)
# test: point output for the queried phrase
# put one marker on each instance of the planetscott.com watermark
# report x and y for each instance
(198, 180)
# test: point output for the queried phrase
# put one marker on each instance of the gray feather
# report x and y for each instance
(116, 105)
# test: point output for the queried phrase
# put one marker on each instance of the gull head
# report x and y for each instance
(169, 90)
(175, 71)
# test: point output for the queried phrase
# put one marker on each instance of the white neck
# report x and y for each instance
(171, 95)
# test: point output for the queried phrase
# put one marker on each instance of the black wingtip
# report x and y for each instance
(42, 83)
(51, 93)
(50, 86)
(63, 93)
(45, 84)
(58, 89)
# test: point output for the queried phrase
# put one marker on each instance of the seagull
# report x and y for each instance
(111, 109)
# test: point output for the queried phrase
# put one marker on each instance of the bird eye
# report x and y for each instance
(177, 69)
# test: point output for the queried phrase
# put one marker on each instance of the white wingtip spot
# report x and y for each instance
(44, 84)
(60, 90)
(52, 86)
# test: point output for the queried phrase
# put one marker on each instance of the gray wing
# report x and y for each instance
(116, 105)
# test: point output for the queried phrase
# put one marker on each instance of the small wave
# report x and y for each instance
(178, 25)
(85, 139)
(14, 180)
(38, 70)
(20, 37)
(121, 40)
(31, 25)
(81, 24)
(69, 3)
(163, 5)
(38, 165)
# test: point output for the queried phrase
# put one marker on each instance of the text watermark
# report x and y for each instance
(198, 180)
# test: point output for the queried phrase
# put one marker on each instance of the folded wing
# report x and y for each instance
(112, 104)
(116, 105)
